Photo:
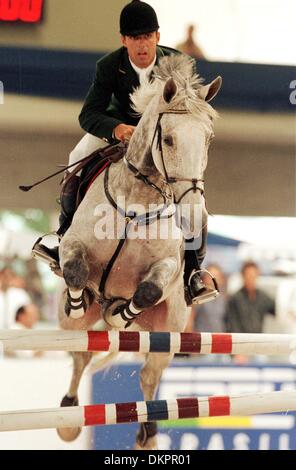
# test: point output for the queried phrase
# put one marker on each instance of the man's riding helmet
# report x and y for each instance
(138, 18)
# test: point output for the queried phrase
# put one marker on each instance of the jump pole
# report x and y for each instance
(145, 342)
(158, 410)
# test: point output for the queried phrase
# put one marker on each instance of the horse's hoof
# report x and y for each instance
(69, 434)
(146, 438)
(115, 321)
(151, 444)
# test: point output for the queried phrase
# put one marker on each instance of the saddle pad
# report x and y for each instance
(89, 175)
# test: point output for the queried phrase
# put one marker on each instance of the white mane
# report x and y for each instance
(182, 69)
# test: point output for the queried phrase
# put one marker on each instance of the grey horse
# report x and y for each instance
(133, 215)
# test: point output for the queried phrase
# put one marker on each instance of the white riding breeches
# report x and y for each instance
(88, 144)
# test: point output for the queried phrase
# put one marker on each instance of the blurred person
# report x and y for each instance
(26, 317)
(107, 116)
(246, 309)
(17, 281)
(210, 317)
(189, 46)
(11, 279)
(11, 298)
(6, 276)
(34, 285)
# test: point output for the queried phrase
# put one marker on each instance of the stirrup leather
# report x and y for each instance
(209, 293)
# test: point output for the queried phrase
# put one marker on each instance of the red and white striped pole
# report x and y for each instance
(144, 342)
(118, 413)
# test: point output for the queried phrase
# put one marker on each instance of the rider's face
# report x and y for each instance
(142, 48)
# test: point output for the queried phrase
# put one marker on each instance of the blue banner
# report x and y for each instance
(261, 432)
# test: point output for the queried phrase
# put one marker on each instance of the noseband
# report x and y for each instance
(197, 184)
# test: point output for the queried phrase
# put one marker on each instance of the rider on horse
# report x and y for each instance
(107, 117)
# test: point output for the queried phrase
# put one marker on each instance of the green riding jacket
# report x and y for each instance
(107, 103)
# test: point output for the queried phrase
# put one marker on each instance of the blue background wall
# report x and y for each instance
(68, 74)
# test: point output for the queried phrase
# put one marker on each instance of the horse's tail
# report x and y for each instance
(101, 361)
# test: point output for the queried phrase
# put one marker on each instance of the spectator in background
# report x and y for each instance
(26, 317)
(11, 298)
(246, 309)
(189, 46)
(34, 285)
(209, 317)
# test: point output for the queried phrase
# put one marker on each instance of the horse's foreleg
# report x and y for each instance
(149, 292)
(75, 270)
(80, 361)
(154, 284)
(150, 377)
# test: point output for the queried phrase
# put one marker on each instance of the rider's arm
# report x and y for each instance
(94, 118)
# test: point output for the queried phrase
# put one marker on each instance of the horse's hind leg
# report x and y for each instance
(150, 377)
(75, 271)
(80, 360)
(176, 320)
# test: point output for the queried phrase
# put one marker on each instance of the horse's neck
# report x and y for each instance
(122, 183)
(122, 179)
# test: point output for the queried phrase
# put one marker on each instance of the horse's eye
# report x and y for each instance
(168, 140)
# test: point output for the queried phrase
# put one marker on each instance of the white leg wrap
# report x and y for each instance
(75, 295)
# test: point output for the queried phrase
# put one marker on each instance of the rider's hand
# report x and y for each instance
(123, 132)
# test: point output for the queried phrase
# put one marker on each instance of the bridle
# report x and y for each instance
(197, 184)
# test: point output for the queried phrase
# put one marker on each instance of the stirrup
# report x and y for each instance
(208, 294)
(42, 253)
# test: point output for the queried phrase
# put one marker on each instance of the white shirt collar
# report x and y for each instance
(143, 74)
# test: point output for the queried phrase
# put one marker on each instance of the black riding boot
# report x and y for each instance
(68, 207)
(196, 292)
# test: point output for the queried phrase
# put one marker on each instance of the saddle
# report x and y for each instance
(93, 166)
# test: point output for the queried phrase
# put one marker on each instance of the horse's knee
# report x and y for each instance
(146, 295)
(76, 272)
(74, 263)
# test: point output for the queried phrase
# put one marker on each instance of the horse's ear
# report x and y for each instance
(170, 90)
(208, 92)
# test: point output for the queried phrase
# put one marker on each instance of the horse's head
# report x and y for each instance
(176, 127)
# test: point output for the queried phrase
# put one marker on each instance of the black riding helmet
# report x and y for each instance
(138, 18)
